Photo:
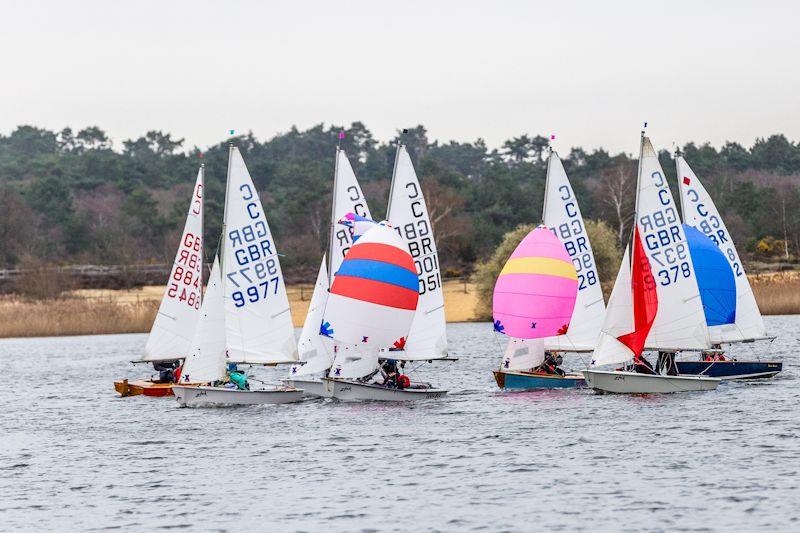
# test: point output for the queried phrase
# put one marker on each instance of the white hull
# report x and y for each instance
(635, 383)
(347, 390)
(210, 396)
(312, 388)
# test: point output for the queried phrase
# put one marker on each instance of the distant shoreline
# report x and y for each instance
(95, 312)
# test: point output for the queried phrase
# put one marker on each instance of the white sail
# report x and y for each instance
(205, 362)
(174, 325)
(408, 213)
(315, 350)
(347, 198)
(680, 319)
(699, 211)
(563, 216)
(618, 320)
(258, 321)
(353, 362)
(523, 354)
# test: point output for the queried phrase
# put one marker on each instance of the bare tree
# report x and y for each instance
(617, 192)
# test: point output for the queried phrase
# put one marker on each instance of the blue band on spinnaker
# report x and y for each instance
(714, 278)
(379, 271)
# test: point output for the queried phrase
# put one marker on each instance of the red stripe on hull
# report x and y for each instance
(376, 292)
(382, 252)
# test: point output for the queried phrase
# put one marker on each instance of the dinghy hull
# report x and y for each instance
(312, 388)
(205, 396)
(520, 380)
(142, 387)
(731, 369)
(633, 383)
(348, 391)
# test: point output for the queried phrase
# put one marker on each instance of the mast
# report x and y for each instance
(680, 185)
(638, 180)
(225, 215)
(547, 183)
(202, 227)
(400, 146)
(333, 216)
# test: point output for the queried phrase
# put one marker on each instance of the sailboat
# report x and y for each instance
(172, 330)
(534, 299)
(655, 303)
(372, 304)
(744, 323)
(245, 318)
(317, 351)
(562, 215)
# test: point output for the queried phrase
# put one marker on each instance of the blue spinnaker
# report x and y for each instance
(714, 278)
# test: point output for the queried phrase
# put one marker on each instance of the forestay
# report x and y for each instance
(563, 216)
(408, 213)
(680, 321)
(699, 211)
(205, 362)
(314, 349)
(374, 295)
(174, 325)
(257, 318)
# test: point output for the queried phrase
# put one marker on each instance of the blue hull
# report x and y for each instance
(526, 381)
(731, 369)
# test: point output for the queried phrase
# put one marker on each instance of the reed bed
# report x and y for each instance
(73, 316)
(777, 293)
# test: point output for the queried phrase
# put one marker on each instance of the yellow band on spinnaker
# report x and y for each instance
(540, 265)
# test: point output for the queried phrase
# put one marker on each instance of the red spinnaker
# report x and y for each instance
(645, 298)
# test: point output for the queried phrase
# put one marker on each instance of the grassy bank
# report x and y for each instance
(86, 312)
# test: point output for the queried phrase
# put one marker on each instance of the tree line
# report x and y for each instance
(71, 197)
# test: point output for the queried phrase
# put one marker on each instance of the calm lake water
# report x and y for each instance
(75, 456)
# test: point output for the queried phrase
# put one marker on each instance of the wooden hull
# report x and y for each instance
(349, 391)
(518, 380)
(204, 396)
(142, 387)
(312, 388)
(731, 369)
(633, 383)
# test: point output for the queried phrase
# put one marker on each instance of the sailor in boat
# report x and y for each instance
(714, 354)
(642, 365)
(551, 364)
(168, 371)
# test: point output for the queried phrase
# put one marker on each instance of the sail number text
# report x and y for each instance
(663, 238)
(573, 235)
(256, 274)
(711, 225)
(419, 238)
(184, 280)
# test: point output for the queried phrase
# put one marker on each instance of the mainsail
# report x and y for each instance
(347, 199)
(408, 213)
(205, 361)
(663, 260)
(258, 321)
(174, 325)
(563, 216)
(699, 211)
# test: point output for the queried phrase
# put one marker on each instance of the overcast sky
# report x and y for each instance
(590, 72)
